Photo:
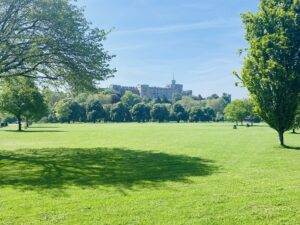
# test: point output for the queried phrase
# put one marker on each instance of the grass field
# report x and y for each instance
(148, 174)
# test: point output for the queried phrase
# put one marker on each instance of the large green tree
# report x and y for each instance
(271, 69)
(51, 39)
(21, 98)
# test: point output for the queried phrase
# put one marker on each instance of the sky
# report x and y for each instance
(196, 40)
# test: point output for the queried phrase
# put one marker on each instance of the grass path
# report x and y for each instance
(148, 174)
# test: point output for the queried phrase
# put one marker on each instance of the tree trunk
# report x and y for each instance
(281, 137)
(19, 124)
(294, 131)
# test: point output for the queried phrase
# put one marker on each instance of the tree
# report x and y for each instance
(179, 113)
(160, 113)
(238, 111)
(297, 121)
(54, 42)
(209, 114)
(38, 108)
(78, 112)
(63, 111)
(21, 98)
(217, 104)
(176, 97)
(119, 113)
(95, 111)
(196, 113)
(140, 112)
(271, 70)
(129, 99)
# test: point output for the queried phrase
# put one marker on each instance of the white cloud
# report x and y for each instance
(180, 27)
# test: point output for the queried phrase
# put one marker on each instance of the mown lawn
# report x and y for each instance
(148, 174)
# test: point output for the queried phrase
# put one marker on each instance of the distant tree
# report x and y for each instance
(219, 117)
(188, 103)
(63, 110)
(52, 98)
(95, 111)
(296, 125)
(176, 97)
(78, 112)
(238, 111)
(51, 40)
(209, 114)
(107, 109)
(196, 114)
(165, 100)
(157, 100)
(21, 98)
(119, 113)
(179, 113)
(271, 70)
(213, 96)
(217, 104)
(226, 97)
(129, 99)
(140, 112)
(38, 108)
(160, 113)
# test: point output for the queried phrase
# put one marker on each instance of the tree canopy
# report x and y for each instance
(21, 98)
(51, 39)
(271, 69)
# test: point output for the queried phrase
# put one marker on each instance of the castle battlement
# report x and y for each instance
(145, 90)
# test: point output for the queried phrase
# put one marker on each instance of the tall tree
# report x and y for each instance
(21, 98)
(271, 69)
(51, 39)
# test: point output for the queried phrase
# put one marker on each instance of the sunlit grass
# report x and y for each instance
(148, 174)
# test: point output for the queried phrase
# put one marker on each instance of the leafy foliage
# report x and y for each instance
(21, 98)
(271, 70)
(53, 41)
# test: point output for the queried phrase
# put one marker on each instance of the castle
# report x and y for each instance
(147, 91)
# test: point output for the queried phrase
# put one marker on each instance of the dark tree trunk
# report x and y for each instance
(294, 131)
(19, 124)
(281, 137)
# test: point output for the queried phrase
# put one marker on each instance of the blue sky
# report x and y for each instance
(196, 39)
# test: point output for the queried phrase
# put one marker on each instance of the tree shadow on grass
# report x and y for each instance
(291, 147)
(35, 131)
(121, 168)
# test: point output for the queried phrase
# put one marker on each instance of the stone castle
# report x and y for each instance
(147, 91)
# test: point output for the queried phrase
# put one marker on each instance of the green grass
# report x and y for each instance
(148, 174)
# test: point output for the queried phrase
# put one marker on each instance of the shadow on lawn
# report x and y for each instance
(291, 147)
(57, 168)
(35, 131)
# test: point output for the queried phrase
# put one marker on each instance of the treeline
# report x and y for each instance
(108, 106)
(22, 100)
